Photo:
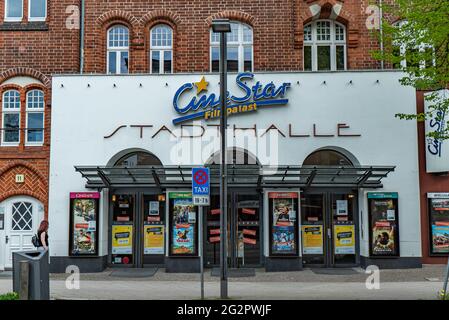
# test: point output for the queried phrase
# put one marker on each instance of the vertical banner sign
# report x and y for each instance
(439, 222)
(437, 150)
(83, 223)
(200, 186)
(384, 224)
(283, 210)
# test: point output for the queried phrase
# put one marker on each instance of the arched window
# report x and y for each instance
(35, 117)
(240, 49)
(327, 158)
(118, 50)
(11, 118)
(324, 46)
(161, 49)
(138, 158)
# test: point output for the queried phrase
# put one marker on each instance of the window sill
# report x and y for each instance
(28, 26)
(8, 145)
(34, 145)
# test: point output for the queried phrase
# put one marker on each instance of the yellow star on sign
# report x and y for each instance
(202, 85)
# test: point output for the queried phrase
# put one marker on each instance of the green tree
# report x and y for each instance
(419, 45)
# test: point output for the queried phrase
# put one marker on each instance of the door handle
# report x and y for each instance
(329, 233)
(6, 239)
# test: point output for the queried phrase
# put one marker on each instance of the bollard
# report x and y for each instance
(24, 280)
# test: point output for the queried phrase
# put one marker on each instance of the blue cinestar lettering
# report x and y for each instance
(250, 99)
(435, 145)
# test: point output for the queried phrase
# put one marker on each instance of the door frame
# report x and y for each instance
(232, 215)
(38, 215)
(328, 245)
(138, 206)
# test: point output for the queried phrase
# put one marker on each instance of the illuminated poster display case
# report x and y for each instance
(183, 225)
(383, 224)
(83, 233)
(439, 223)
(283, 216)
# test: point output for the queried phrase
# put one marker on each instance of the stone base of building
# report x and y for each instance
(279, 264)
(85, 265)
(182, 265)
(392, 263)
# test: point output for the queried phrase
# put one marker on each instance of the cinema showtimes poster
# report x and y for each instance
(84, 216)
(439, 215)
(183, 233)
(384, 227)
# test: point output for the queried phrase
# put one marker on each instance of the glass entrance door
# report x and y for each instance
(137, 229)
(122, 229)
(329, 225)
(243, 230)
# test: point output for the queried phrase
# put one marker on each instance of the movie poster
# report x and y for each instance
(384, 227)
(344, 239)
(283, 210)
(154, 239)
(122, 239)
(312, 239)
(84, 223)
(183, 233)
(283, 239)
(439, 215)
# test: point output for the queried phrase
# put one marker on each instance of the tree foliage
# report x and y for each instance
(419, 45)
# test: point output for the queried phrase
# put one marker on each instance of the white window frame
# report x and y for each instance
(37, 18)
(403, 49)
(162, 50)
(241, 44)
(10, 111)
(118, 50)
(12, 19)
(35, 110)
(332, 43)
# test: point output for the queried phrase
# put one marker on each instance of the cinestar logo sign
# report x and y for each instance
(207, 106)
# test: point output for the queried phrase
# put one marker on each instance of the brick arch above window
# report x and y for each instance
(107, 19)
(234, 15)
(25, 72)
(327, 10)
(160, 16)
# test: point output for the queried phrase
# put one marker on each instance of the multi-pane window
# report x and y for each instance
(324, 46)
(13, 10)
(35, 117)
(118, 50)
(11, 118)
(240, 49)
(161, 49)
(407, 53)
(37, 10)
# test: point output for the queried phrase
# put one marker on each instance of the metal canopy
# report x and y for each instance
(249, 176)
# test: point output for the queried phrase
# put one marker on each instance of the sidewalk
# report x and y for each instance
(409, 284)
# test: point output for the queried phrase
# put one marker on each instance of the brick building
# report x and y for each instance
(40, 38)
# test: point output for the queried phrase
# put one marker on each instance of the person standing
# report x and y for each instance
(42, 236)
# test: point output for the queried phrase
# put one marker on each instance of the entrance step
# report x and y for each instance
(134, 272)
(335, 271)
(5, 274)
(235, 272)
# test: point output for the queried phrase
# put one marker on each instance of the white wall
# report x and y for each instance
(82, 116)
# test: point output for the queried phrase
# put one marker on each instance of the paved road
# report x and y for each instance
(173, 290)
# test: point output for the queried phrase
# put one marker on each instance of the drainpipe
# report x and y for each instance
(82, 37)
(382, 63)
